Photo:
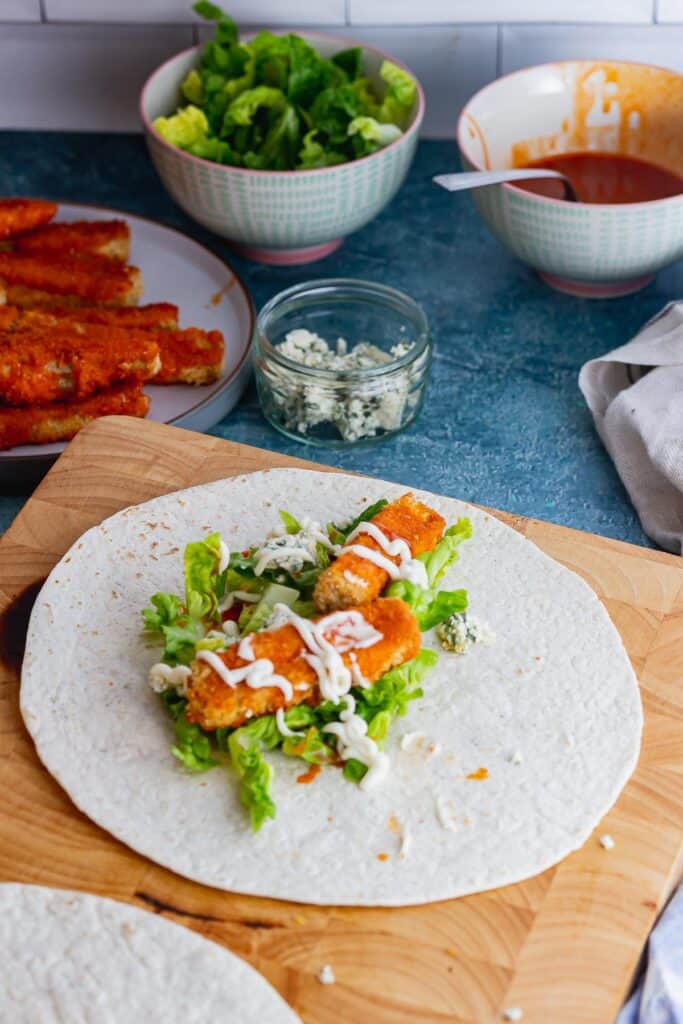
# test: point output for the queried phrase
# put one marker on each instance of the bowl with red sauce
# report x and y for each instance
(615, 129)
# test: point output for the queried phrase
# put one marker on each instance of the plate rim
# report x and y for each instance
(39, 457)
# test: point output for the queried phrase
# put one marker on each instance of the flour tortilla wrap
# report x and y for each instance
(551, 710)
(70, 958)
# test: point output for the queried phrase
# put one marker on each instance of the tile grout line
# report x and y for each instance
(43, 10)
(499, 49)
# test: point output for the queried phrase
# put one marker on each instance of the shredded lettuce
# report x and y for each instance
(246, 746)
(275, 103)
(168, 621)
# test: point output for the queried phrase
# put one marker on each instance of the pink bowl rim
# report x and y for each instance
(516, 190)
(412, 128)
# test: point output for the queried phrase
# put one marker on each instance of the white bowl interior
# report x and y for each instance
(162, 97)
(574, 106)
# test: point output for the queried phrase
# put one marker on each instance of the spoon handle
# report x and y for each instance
(477, 179)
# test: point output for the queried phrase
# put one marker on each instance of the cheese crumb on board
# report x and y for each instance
(513, 1013)
(326, 975)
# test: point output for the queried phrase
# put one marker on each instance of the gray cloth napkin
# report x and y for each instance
(636, 397)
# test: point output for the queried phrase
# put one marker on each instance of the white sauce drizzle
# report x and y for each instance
(408, 568)
(224, 560)
(259, 673)
(245, 596)
(356, 674)
(349, 629)
(245, 651)
(164, 677)
(351, 732)
(357, 581)
(283, 728)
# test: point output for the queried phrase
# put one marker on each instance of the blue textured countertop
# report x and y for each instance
(503, 423)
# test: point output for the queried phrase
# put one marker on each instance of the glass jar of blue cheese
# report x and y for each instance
(341, 362)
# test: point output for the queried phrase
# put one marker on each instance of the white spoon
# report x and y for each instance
(477, 179)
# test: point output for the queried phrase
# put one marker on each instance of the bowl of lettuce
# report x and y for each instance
(281, 143)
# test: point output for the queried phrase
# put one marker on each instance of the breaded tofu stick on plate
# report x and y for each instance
(72, 281)
(355, 577)
(156, 315)
(191, 356)
(17, 215)
(388, 635)
(42, 366)
(60, 421)
(109, 238)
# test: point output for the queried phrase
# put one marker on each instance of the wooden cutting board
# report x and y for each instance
(562, 946)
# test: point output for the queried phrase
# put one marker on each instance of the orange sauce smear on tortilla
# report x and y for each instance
(479, 775)
(309, 776)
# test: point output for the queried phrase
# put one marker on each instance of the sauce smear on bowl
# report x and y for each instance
(606, 178)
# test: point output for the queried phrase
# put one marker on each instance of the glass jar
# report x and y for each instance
(342, 407)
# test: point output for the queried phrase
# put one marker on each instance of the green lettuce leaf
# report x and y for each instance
(169, 623)
(371, 135)
(192, 88)
(349, 61)
(339, 533)
(243, 109)
(184, 128)
(291, 524)
(445, 553)
(192, 746)
(400, 95)
(430, 607)
(314, 154)
(245, 746)
(201, 561)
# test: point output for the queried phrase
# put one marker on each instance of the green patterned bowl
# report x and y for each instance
(281, 217)
(592, 250)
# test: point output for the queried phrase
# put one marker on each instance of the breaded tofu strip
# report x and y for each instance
(110, 238)
(61, 420)
(42, 366)
(213, 704)
(156, 315)
(72, 281)
(351, 579)
(17, 215)
(190, 356)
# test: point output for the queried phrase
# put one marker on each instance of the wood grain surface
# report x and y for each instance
(562, 946)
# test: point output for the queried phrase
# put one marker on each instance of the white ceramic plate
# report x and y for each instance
(209, 295)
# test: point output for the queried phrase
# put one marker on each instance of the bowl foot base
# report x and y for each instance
(599, 290)
(287, 257)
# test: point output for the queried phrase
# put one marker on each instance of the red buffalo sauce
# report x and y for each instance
(605, 178)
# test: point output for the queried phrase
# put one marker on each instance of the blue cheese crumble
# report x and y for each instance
(356, 409)
(460, 631)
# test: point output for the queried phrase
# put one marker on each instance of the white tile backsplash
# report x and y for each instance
(670, 10)
(522, 46)
(19, 10)
(257, 12)
(87, 76)
(79, 77)
(395, 12)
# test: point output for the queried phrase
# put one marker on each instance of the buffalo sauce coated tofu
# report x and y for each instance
(351, 579)
(213, 704)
